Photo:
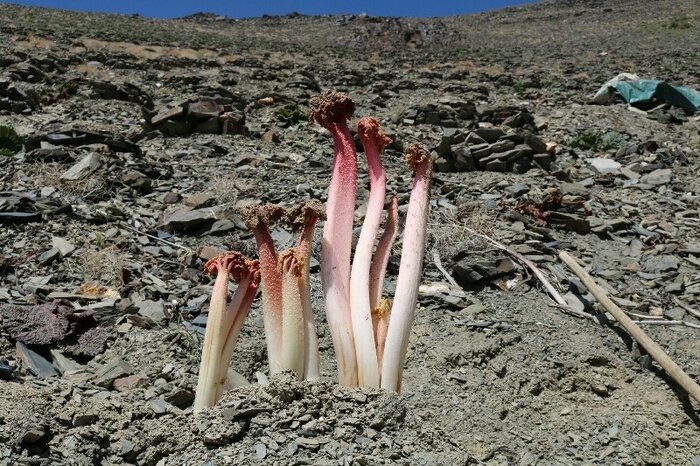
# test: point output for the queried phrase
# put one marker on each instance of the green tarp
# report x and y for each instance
(643, 90)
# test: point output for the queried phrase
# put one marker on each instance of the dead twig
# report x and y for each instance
(438, 264)
(667, 322)
(651, 347)
(169, 243)
(563, 305)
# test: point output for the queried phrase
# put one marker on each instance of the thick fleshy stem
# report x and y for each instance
(410, 268)
(304, 216)
(224, 323)
(374, 141)
(332, 110)
(382, 254)
(248, 278)
(293, 328)
(258, 218)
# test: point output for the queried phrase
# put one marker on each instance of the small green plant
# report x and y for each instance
(10, 141)
(597, 141)
(99, 239)
(289, 115)
(683, 22)
(519, 87)
(69, 88)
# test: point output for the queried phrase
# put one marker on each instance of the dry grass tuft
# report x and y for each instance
(102, 267)
(34, 42)
(154, 52)
(49, 174)
(96, 71)
(224, 187)
(446, 232)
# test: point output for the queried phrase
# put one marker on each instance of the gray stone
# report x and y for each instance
(462, 158)
(675, 313)
(186, 218)
(63, 245)
(474, 139)
(127, 449)
(574, 302)
(167, 114)
(32, 435)
(496, 166)
(158, 405)
(64, 364)
(604, 166)
(49, 256)
(176, 128)
(657, 177)
(444, 165)
(137, 180)
(84, 419)
(574, 222)
(490, 135)
(502, 146)
(542, 160)
(535, 143)
(205, 109)
(480, 151)
(210, 126)
(472, 269)
(662, 263)
(36, 363)
(576, 189)
(521, 166)
(260, 451)
(154, 310)
(517, 190)
(83, 168)
(108, 373)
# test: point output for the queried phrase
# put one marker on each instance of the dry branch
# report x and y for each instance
(651, 347)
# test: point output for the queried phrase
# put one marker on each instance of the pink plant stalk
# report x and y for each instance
(332, 110)
(224, 323)
(258, 219)
(290, 328)
(374, 141)
(304, 217)
(405, 298)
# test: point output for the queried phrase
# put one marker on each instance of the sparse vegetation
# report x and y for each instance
(289, 115)
(597, 141)
(519, 87)
(681, 22)
(10, 141)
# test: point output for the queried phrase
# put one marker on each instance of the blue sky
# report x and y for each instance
(248, 8)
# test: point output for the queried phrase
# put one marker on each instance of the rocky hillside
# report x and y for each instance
(128, 146)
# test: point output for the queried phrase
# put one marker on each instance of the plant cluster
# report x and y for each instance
(289, 115)
(370, 332)
(597, 141)
(10, 141)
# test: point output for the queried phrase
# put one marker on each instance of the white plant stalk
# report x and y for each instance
(410, 268)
